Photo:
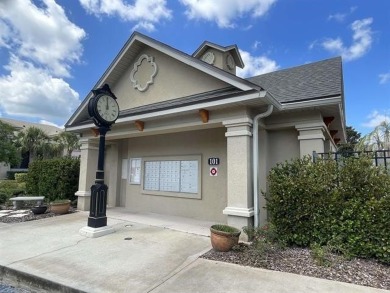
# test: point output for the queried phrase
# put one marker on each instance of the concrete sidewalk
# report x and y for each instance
(147, 253)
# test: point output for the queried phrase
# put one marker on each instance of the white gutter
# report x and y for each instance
(256, 162)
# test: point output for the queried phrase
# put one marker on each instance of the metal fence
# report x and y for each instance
(379, 157)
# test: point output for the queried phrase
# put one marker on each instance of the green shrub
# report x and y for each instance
(11, 174)
(20, 177)
(225, 228)
(54, 179)
(12, 188)
(346, 204)
(3, 197)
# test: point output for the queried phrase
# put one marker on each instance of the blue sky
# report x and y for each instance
(53, 52)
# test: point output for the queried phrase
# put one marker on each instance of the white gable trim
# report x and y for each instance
(233, 49)
(176, 54)
(202, 66)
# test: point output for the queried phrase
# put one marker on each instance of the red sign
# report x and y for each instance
(213, 171)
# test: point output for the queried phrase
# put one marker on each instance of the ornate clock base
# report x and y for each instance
(97, 214)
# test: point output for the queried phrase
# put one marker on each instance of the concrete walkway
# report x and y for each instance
(147, 253)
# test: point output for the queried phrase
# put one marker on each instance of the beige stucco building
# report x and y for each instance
(19, 125)
(189, 139)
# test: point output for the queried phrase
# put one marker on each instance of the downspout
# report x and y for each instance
(256, 162)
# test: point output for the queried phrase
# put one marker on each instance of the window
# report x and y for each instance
(125, 168)
(173, 176)
(135, 171)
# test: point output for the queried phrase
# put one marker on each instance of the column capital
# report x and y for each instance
(87, 144)
(309, 131)
(238, 127)
(310, 126)
(239, 122)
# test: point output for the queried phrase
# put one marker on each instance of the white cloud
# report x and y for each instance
(340, 17)
(42, 44)
(337, 16)
(5, 34)
(224, 12)
(256, 45)
(41, 34)
(255, 65)
(376, 118)
(146, 13)
(362, 40)
(384, 78)
(32, 92)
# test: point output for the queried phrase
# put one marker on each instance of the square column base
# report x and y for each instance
(83, 200)
(96, 232)
(239, 218)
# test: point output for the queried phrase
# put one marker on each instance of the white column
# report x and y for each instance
(239, 172)
(88, 166)
(311, 138)
(111, 174)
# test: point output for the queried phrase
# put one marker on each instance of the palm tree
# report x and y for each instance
(378, 139)
(68, 141)
(34, 141)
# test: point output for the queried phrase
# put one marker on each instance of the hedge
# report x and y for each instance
(21, 177)
(11, 188)
(55, 179)
(345, 204)
(11, 174)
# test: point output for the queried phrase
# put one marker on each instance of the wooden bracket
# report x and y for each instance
(204, 115)
(328, 120)
(333, 133)
(140, 125)
(95, 132)
(336, 140)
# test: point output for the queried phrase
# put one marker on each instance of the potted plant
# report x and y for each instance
(60, 206)
(39, 209)
(224, 237)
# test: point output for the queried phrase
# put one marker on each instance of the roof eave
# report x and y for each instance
(253, 95)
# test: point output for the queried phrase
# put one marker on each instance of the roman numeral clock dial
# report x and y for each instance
(106, 109)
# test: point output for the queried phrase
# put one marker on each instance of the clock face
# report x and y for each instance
(107, 108)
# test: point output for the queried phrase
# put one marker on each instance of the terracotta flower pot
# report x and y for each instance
(224, 237)
(60, 207)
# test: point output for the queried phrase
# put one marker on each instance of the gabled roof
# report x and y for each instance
(22, 125)
(136, 43)
(233, 49)
(318, 84)
(311, 81)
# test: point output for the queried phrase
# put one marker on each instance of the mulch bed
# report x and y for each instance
(300, 261)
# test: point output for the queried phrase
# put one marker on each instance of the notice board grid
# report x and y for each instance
(172, 177)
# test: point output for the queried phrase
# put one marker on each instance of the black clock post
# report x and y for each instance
(104, 110)
(97, 212)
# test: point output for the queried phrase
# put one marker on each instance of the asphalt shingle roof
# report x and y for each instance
(306, 82)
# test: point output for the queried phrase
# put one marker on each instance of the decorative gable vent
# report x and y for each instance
(143, 73)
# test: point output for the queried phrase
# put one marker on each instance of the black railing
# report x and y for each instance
(379, 157)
